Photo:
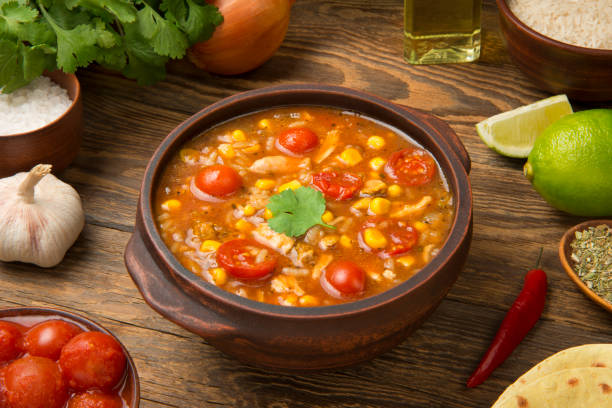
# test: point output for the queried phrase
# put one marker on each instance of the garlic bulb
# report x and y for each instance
(40, 217)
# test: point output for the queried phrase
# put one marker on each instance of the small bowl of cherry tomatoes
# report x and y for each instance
(55, 359)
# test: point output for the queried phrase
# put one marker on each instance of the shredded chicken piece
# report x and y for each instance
(286, 284)
(374, 187)
(321, 264)
(301, 254)
(328, 146)
(272, 239)
(279, 165)
(411, 209)
(427, 253)
(328, 241)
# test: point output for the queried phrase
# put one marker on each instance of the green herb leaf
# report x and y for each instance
(295, 211)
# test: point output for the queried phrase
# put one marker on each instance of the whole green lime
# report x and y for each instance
(571, 163)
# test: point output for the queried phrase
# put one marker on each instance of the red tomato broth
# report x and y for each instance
(193, 229)
(27, 322)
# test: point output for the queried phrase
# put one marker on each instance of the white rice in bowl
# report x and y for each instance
(585, 23)
(32, 106)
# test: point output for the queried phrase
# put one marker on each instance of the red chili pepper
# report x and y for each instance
(521, 317)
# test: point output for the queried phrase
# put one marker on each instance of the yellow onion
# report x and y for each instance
(250, 34)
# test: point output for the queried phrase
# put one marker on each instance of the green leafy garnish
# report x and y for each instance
(294, 211)
(136, 37)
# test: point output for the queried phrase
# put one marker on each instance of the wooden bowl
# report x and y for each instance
(565, 252)
(581, 73)
(301, 338)
(131, 389)
(56, 143)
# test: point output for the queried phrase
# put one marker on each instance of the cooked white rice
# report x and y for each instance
(32, 106)
(586, 23)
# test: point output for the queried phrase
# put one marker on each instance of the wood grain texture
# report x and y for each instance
(353, 43)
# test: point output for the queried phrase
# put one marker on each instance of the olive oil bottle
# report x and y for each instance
(441, 31)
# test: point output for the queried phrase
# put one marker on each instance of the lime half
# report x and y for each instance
(513, 133)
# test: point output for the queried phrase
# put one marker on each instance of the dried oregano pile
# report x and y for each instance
(592, 254)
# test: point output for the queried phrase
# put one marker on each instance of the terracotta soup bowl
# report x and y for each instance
(301, 338)
(29, 316)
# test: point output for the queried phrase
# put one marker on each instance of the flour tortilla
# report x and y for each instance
(584, 387)
(588, 355)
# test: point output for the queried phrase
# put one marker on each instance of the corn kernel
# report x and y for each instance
(268, 214)
(420, 226)
(209, 245)
(248, 210)
(219, 276)
(362, 204)
(265, 184)
(291, 299)
(327, 217)
(377, 163)
(346, 242)
(306, 116)
(374, 175)
(252, 149)
(374, 238)
(238, 136)
(293, 185)
(309, 300)
(351, 156)
(406, 261)
(394, 190)
(243, 225)
(263, 124)
(171, 205)
(376, 142)
(226, 151)
(380, 206)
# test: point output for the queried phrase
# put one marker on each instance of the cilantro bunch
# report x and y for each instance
(135, 37)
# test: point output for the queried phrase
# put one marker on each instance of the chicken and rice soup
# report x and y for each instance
(359, 207)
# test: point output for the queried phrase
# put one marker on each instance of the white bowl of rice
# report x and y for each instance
(563, 46)
(41, 123)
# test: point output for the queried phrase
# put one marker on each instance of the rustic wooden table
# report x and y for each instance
(357, 44)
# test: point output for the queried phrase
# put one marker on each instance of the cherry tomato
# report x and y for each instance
(35, 382)
(46, 339)
(218, 180)
(10, 341)
(238, 257)
(95, 399)
(402, 237)
(297, 141)
(338, 186)
(411, 167)
(343, 278)
(92, 360)
(3, 396)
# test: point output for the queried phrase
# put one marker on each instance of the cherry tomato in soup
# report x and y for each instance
(35, 382)
(218, 180)
(401, 237)
(47, 338)
(297, 141)
(343, 278)
(3, 396)
(10, 340)
(92, 360)
(95, 399)
(246, 259)
(338, 186)
(411, 167)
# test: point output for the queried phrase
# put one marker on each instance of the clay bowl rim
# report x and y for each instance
(77, 96)
(91, 326)
(564, 251)
(548, 41)
(458, 232)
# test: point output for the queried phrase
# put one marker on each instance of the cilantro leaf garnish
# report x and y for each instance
(295, 211)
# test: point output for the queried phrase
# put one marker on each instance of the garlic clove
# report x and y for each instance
(40, 217)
